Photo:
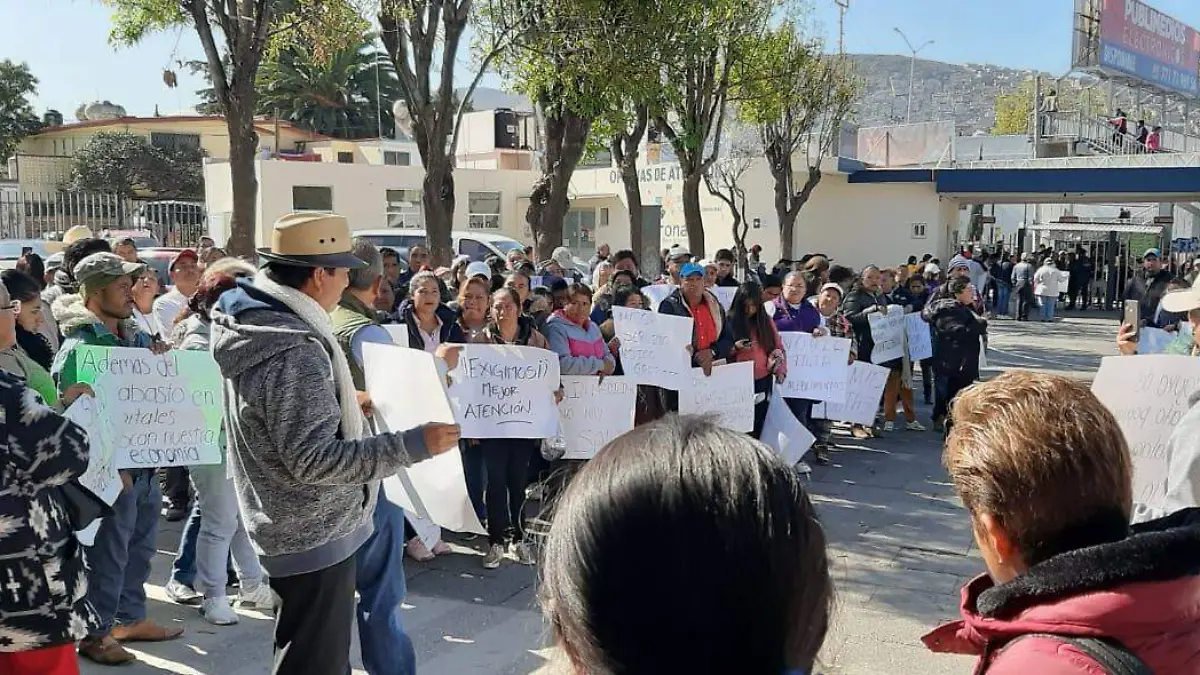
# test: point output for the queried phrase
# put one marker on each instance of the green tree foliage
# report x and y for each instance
(234, 35)
(17, 119)
(348, 93)
(1013, 108)
(798, 98)
(125, 164)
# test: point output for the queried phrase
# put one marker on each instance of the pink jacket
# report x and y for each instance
(1144, 591)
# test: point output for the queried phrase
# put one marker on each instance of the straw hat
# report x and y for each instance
(312, 240)
(76, 233)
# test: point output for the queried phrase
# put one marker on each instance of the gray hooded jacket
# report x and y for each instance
(307, 495)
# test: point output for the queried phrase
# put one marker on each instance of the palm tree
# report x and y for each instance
(348, 95)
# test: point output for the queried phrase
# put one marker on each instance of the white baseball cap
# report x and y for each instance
(479, 269)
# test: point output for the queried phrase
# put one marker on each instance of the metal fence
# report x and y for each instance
(41, 215)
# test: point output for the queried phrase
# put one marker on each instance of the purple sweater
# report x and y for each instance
(806, 319)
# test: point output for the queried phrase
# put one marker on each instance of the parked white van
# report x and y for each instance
(475, 245)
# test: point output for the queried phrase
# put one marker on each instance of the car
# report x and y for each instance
(475, 245)
(11, 250)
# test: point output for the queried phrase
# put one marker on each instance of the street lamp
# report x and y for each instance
(912, 67)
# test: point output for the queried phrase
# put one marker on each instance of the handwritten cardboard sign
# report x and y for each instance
(919, 336)
(101, 476)
(161, 410)
(724, 295)
(593, 412)
(1148, 395)
(728, 395)
(407, 391)
(398, 332)
(656, 293)
(863, 389)
(887, 330)
(501, 391)
(783, 432)
(654, 347)
(817, 367)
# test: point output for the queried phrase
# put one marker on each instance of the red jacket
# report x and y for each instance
(1144, 591)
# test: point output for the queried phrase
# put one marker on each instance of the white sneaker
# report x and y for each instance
(182, 594)
(915, 426)
(491, 560)
(259, 597)
(218, 612)
(889, 427)
(523, 553)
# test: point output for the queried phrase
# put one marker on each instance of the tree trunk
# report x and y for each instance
(438, 201)
(565, 142)
(633, 197)
(243, 150)
(787, 203)
(693, 218)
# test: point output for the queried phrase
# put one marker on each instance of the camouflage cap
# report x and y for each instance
(100, 269)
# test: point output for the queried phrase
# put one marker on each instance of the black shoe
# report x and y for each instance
(176, 513)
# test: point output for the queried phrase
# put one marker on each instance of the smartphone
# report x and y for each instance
(1132, 316)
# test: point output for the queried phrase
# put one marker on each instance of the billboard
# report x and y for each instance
(1139, 41)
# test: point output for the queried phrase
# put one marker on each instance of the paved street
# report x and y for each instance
(900, 546)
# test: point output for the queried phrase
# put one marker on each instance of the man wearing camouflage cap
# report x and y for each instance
(118, 563)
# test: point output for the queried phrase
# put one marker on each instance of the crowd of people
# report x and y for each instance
(292, 519)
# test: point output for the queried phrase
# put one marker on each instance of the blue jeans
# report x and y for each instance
(1046, 310)
(183, 569)
(386, 648)
(119, 563)
(1003, 293)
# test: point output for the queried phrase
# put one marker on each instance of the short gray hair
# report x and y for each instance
(420, 278)
(362, 279)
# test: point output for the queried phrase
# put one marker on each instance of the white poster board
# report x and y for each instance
(863, 391)
(656, 293)
(407, 392)
(728, 395)
(724, 295)
(654, 347)
(101, 476)
(159, 410)
(502, 391)
(594, 411)
(784, 433)
(919, 335)
(818, 368)
(398, 332)
(1148, 395)
(887, 330)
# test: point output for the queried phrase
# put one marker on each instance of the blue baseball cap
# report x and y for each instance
(1152, 252)
(688, 269)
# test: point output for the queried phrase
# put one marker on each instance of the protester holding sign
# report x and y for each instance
(649, 406)
(507, 459)
(959, 332)
(1045, 474)
(119, 562)
(793, 314)
(472, 309)
(43, 605)
(576, 338)
(711, 340)
(755, 339)
(306, 472)
(864, 299)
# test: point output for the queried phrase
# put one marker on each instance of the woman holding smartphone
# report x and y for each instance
(755, 339)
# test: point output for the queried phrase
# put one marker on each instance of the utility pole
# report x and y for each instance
(912, 69)
(843, 5)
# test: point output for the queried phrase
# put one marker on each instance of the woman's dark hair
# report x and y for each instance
(840, 274)
(744, 326)
(79, 250)
(33, 265)
(770, 281)
(578, 288)
(21, 286)
(612, 280)
(622, 294)
(624, 254)
(542, 291)
(712, 504)
(812, 284)
(511, 293)
(207, 293)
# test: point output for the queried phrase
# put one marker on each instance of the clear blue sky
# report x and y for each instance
(65, 42)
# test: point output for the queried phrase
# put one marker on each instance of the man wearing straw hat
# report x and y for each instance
(305, 473)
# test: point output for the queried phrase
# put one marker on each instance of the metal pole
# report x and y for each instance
(912, 66)
(843, 5)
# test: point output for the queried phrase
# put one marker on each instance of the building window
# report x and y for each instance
(312, 198)
(918, 230)
(168, 141)
(396, 158)
(404, 208)
(483, 209)
(603, 216)
(345, 158)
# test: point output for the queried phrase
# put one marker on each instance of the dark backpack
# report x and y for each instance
(1114, 657)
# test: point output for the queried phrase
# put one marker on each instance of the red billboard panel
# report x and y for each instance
(1142, 42)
